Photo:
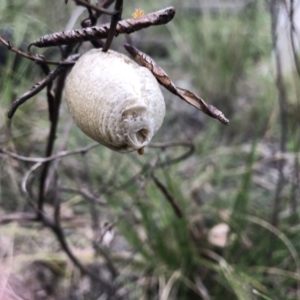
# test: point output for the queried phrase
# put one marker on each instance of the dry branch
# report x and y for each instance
(113, 24)
(35, 58)
(162, 77)
(39, 86)
(99, 32)
(168, 196)
(100, 10)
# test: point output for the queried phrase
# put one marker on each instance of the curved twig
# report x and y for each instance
(176, 160)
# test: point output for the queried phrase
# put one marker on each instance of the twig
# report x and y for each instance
(176, 160)
(103, 4)
(51, 139)
(92, 20)
(168, 196)
(147, 167)
(96, 8)
(161, 76)
(18, 217)
(113, 24)
(39, 86)
(50, 97)
(170, 144)
(58, 155)
(86, 149)
(57, 230)
(83, 193)
(41, 161)
(98, 32)
(36, 58)
(61, 147)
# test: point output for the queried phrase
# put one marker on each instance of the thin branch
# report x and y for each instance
(170, 144)
(176, 160)
(25, 217)
(39, 86)
(18, 217)
(50, 97)
(96, 8)
(52, 134)
(26, 177)
(113, 25)
(103, 4)
(168, 196)
(36, 58)
(61, 147)
(42, 160)
(99, 32)
(83, 193)
(57, 230)
(162, 77)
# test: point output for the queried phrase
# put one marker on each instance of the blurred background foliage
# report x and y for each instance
(116, 219)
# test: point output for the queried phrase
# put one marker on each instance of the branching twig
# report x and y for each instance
(103, 4)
